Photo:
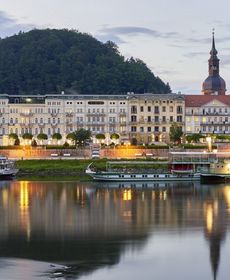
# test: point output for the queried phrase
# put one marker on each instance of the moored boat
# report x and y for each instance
(7, 168)
(140, 175)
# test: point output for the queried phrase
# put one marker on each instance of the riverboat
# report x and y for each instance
(141, 175)
(219, 169)
(7, 168)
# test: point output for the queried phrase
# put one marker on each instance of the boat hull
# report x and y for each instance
(145, 177)
(215, 178)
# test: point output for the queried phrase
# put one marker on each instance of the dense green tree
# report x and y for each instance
(72, 137)
(49, 61)
(56, 136)
(114, 136)
(175, 133)
(194, 138)
(13, 137)
(27, 136)
(42, 137)
(82, 135)
(100, 136)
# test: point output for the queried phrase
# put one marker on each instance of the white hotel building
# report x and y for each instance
(146, 117)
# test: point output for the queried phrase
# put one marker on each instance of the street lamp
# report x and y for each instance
(209, 142)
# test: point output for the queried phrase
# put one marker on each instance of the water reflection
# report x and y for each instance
(89, 226)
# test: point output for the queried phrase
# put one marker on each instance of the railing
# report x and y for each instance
(95, 114)
(29, 114)
(53, 114)
(69, 114)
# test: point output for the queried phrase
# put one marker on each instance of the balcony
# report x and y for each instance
(54, 114)
(54, 124)
(68, 123)
(41, 125)
(26, 114)
(95, 114)
(29, 125)
(69, 114)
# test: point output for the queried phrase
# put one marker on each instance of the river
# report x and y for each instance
(68, 230)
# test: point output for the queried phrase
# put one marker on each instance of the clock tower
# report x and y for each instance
(214, 84)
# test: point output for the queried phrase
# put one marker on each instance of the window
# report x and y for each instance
(164, 119)
(142, 108)
(156, 118)
(133, 118)
(133, 109)
(133, 128)
(163, 109)
(179, 110)
(149, 119)
(96, 102)
(171, 109)
(156, 110)
(163, 129)
(156, 128)
(171, 119)
(149, 108)
(179, 119)
(141, 129)
(149, 129)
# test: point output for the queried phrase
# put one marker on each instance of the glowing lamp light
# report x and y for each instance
(209, 141)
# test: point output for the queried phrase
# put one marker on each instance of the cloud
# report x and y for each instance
(225, 60)
(207, 40)
(115, 33)
(176, 46)
(167, 72)
(11, 26)
(195, 54)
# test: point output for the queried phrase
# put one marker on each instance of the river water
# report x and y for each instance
(68, 230)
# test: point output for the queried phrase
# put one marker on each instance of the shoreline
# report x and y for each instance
(63, 169)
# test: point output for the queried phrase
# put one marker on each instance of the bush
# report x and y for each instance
(34, 143)
(17, 142)
(65, 145)
(134, 141)
(204, 147)
(58, 147)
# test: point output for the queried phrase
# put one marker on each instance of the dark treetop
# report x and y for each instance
(50, 61)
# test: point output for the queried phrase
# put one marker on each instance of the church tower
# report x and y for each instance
(214, 84)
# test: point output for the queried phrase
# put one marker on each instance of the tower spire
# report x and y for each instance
(213, 51)
(213, 84)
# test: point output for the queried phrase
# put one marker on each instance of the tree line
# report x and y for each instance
(50, 61)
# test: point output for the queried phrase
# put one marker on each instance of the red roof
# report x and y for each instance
(200, 100)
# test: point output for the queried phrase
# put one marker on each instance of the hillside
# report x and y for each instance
(49, 61)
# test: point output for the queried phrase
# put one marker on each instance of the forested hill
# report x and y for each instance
(49, 61)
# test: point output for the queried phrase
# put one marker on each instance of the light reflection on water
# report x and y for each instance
(115, 230)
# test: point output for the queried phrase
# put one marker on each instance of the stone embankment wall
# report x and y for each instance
(46, 154)
(36, 153)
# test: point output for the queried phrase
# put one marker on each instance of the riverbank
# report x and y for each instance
(61, 169)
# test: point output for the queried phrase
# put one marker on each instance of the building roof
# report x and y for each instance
(201, 100)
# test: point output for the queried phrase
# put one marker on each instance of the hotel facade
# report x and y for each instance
(146, 117)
